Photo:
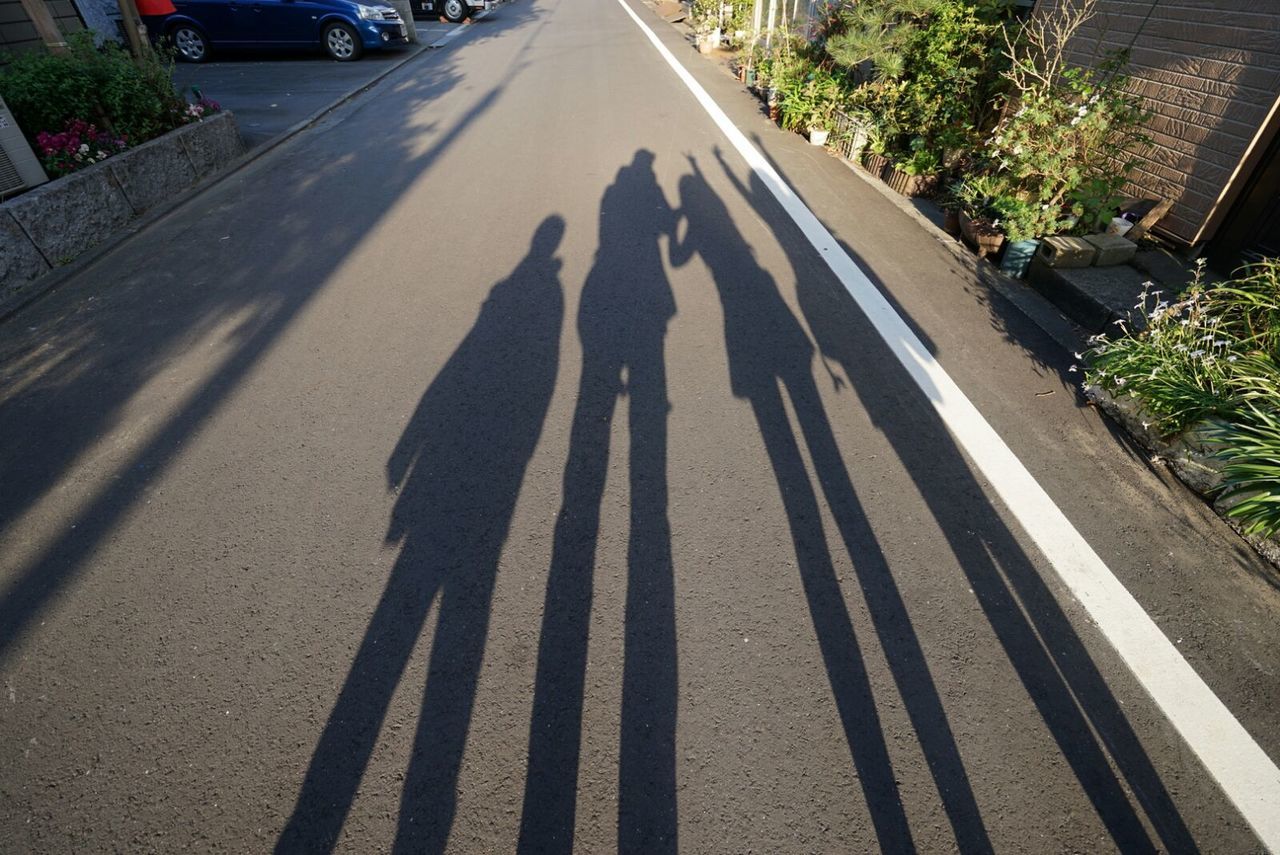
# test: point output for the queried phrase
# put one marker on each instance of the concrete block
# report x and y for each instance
(153, 172)
(1065, 252)
(67, 216)
(212, 144)
(20, 261)
(1112, 249)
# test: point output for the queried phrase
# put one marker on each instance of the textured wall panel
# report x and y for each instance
(1210, 71)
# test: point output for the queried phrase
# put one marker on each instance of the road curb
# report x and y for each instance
(47, 284)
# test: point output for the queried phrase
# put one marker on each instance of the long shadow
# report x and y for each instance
(1082, 714)
(458, 467)
(72, 378)
(768, 349)
(622, 322)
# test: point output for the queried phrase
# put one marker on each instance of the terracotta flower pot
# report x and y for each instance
(874, 163)
(951, 222)
(909, 185)
(985, 238)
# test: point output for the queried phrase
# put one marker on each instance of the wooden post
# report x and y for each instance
(134, 29)
(45, 25)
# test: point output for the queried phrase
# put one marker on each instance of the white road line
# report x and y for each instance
(1241, 768)
(457, 30)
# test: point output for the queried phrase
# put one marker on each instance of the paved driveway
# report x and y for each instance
(270, 92)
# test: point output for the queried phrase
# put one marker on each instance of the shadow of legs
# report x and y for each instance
(841, 654)
(647, 763)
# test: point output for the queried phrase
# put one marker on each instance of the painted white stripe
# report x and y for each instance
(455, 31)
(1241, 768)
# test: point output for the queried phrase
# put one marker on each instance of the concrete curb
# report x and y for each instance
(39, 288)
(1188, 458)
(68, 218)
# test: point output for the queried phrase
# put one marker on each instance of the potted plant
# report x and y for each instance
(851, 133)
(972, 198)
(917, 175)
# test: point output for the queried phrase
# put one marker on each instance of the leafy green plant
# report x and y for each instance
(1205, 356)
(922, 161)
(105, 86)
(810, 103)
(872, 36)
(1251, 450)
(1070, 134)
(953, 80)
(996, 198)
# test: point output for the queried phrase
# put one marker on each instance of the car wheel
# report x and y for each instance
(455, 10)
(342, 42)
(190, 43)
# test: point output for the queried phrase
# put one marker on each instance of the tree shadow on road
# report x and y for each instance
(458, 468)
(626, 305)
(258, 246)
(1084, 717)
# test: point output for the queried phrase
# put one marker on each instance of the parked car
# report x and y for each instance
(345, 29)
(451, 10)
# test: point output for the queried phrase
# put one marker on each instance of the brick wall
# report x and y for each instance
(1210, 70)
(18, 33)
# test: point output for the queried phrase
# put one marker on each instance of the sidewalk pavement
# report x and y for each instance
(271, 92)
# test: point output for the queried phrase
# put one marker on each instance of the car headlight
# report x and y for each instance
(371, 13)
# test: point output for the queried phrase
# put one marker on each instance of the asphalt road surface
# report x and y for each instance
(497, 466)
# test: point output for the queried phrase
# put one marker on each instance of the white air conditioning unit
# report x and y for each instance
(19, 168)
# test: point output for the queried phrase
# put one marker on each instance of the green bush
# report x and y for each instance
(1210, 355)
(1251, 475)
(931, 72)
(103, 86)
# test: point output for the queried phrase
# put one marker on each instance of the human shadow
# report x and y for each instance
(458, 468)
(769, 352)
(1080, 711)
(622, 323)
(69, 379)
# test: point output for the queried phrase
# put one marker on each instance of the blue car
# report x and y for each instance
(345, 29)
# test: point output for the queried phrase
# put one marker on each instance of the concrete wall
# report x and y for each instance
(18, 33)
(52, 224)
(1210, 70)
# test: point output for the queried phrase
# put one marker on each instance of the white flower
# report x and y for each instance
(84, 148)
(1120, 381)
(1197, 353)
(1220, 343)
(1075, 121)
(1072, 369)
(1017, 149)
(1232, 358)
(1077, 356)
(1082, 112)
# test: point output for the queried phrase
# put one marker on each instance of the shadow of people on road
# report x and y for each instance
(622, 322)
(1091, 730)
(768, 348)
(458, 466)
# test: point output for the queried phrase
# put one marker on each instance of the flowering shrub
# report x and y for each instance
(1215, 353)
(78, 145)
(201, 108)
(132, 99)
(1212, 355)
(1068, 145)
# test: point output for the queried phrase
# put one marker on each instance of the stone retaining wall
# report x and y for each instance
(52, 224)
(1187, 456)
